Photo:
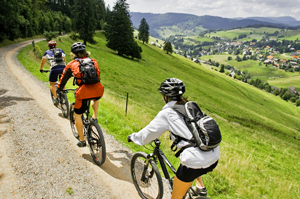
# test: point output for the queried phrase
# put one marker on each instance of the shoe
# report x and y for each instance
(81, 143)
(95, 120)
(56, 102)
(201, 191)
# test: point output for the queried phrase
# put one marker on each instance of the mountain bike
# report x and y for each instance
(62, 98)
(92, 132)
(146, 176)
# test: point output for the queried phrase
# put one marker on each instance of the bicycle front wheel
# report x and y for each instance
(64, 105)
(72, 122)
(146, 178)
(96, 143)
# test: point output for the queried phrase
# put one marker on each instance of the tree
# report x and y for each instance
(119, 30)
(238, 59)
(222, 68)
(84, 19)
(168, 47)
(143, 31)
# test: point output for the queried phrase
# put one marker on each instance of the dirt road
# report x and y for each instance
(38, 153)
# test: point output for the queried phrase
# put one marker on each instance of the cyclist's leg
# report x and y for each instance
(79, 126)
(53, 89)
(180, 188)
(199, 182)
(79, 108)
(95, 106)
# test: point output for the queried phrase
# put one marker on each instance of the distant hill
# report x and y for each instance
(283, 20)
(185, 22)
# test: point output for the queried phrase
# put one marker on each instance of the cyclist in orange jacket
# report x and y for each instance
(84, 92)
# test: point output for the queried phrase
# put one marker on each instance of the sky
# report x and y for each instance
(221, 8)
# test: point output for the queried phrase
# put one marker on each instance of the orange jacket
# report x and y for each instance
(85, 91)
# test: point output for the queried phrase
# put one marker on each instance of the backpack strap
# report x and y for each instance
(176, 141)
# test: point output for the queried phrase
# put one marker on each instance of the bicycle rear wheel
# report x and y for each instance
(72, 122)
(146, 178)
(96, 143)
(64, 105)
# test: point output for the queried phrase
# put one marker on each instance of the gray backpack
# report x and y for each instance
(205, 130)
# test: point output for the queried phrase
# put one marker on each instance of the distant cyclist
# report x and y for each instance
(194, 162)
(57, 60)
(89, 89)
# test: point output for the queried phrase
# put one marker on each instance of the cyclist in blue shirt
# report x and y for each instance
(57, 59)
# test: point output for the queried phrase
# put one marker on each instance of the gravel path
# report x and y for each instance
(38, 153)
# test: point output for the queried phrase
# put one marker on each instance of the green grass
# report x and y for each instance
(257, 33)
(260, 148)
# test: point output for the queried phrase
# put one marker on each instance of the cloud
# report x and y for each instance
(222, 8)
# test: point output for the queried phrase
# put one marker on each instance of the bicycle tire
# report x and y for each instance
(96, 143)
(64, 105)
(72, 122)
(153, 177)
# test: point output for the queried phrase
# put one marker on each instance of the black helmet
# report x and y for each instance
(78, 47)
(172, 88)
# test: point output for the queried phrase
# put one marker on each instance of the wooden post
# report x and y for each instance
(126, 104)
(33, 44)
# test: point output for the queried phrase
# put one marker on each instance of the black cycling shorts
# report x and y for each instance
(189, 175)
(80, 106)
(55, 71)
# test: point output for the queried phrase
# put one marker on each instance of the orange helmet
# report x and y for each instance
(52, 44)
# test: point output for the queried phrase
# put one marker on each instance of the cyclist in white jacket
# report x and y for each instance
(194, 162)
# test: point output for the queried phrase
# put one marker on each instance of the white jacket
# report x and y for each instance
(169, 120)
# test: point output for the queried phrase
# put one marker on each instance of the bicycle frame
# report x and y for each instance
(159, 154)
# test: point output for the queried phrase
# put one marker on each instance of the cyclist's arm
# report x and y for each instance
(153, 130)
(66, 75)
(43, 63)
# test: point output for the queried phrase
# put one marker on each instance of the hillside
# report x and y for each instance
(191, 23)
(260, 147)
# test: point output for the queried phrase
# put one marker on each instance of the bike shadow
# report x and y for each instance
(117, 164)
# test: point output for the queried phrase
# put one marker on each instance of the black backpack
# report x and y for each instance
(205, 130)
(89, 72)
(57, 54)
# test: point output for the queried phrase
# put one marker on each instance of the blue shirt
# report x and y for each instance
(50, 56)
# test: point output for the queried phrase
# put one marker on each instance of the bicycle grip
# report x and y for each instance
(129, 138)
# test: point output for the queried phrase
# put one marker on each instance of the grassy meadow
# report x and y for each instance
(267, 73)
(261, 141)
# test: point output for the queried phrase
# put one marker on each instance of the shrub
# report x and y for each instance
(74, 36)
(298, 102)
(287, 95)
(276, 92)
(50, 35)
(293, 99)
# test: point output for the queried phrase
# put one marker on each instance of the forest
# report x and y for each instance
(26, 18)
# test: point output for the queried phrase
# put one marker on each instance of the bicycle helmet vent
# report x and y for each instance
(78, 47)
(172, 88)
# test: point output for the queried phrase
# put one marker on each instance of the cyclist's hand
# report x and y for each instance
(41, 71)
(129, 138)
